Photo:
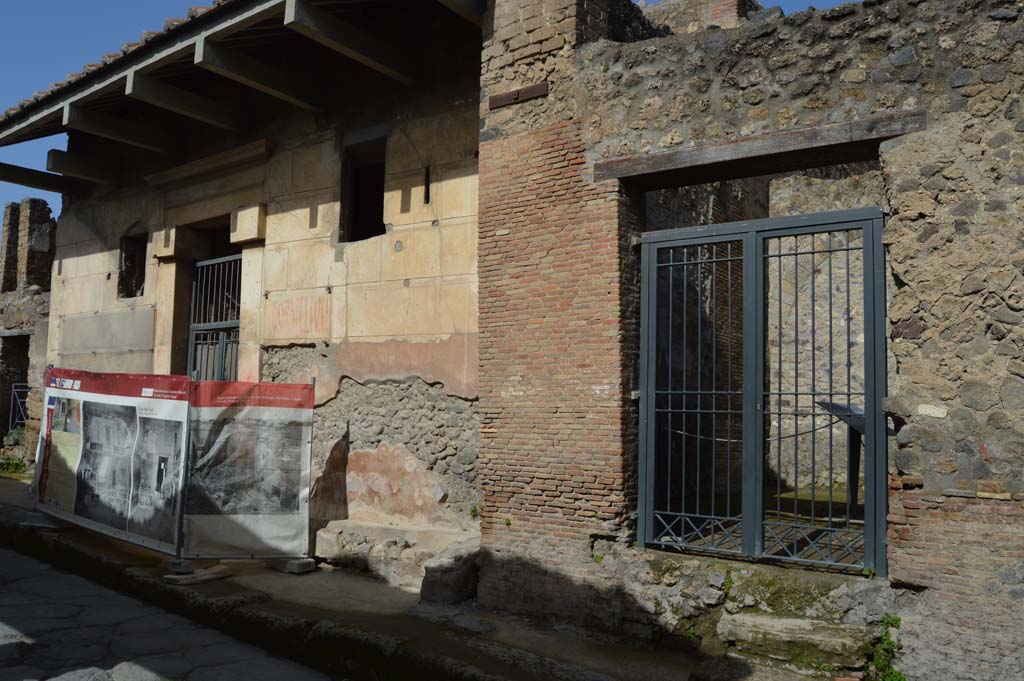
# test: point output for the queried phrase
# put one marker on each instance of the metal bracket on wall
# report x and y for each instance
(523, 94)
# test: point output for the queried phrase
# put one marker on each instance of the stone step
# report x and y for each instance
(396, 554)
(804, 643)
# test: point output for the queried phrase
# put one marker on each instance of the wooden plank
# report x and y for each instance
(182, 102)
(872, 129)
(21, 129)
(35, 179)
(99, 170)
(116, 129)
(231, 160)
(252, 73)
(316, 24)
(470, 10)
(523, 94)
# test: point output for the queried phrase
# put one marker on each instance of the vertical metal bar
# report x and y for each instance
(875, 467)
(715, 266)
(647, 400)
(699, 296)
(814, 376)
(796, 391)
(671, 381)
(777, 393)
(850, 475)
(686, 382)
(753, 321)
(729, 384)
(831, 393)
(881, 481)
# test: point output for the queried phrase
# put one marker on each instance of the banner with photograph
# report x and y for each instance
(248, 482)
(112, 454)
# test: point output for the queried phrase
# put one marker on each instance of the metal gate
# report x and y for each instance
(762, 373)
(214, 320)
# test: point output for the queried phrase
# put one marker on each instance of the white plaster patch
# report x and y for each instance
(932, 411)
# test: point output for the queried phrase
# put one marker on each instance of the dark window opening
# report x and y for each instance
(363, 190)
(131, 275)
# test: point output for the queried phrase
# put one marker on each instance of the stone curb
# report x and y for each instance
(332, 647)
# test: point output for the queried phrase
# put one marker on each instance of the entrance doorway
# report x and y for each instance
(214, 319)
(762, 374)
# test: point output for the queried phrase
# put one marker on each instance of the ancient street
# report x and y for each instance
(59, 626)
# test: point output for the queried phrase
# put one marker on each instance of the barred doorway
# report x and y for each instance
(762, 375)
(214, 319)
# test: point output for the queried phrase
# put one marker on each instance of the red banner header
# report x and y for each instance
(281, 395)
(160, 387)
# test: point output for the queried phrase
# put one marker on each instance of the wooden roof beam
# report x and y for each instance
(345, 39)
(116, 129)
(97, 170)
(181, 102)
(35, 179)
(470, 10)
(252, 73)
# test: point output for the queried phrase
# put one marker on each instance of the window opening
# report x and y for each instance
(363, 174)
(131, 275)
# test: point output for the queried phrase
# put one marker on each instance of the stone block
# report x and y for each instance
(275, 268)
(459, 247)
(216, 205)
(309, 264)
(362, 259)
(404, 199)
(249, 224)
(298, 218)
(458, 184)
(457, 305)
(251, 295)
(392, 309)
(451, 577)
(411, 254)
(316, 167)
(297, 317)
(115, 331)
(787, 639)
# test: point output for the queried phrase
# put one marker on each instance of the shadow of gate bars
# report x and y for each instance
(763, 368)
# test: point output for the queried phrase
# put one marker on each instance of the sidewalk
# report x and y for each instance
(351, 626)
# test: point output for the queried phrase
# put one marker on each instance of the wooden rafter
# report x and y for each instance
(182, 102)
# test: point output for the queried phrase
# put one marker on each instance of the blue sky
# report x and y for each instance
(41, 41)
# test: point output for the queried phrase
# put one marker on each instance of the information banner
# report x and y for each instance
(248, 483)
(112, 454)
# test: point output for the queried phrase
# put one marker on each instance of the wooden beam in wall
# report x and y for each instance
(182, 102)
(255, 74)
(316, 24)
(470, 10)
(815, 145)
(99, 170)
(34, 179)
(116, 129)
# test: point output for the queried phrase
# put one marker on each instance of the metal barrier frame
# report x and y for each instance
(753, 234)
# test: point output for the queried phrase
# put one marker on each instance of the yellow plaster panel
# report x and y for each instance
(392, 309)
(404, 199)
(306, 217)
(82, 294)
(279, 175)
(90, 257)
(362, 258)
(297, 317)
(249, 331)
(249, 224)
(309, 264)
(316, 167)
(457, 305)
(339, 313)
(275, 268)
(459, 246)
(215, 206)
(411, 254)
(458, 189)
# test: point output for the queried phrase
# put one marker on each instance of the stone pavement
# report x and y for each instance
(54, 625)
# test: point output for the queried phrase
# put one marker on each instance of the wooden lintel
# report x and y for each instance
(116, 129)
(470, 10)
(182, 102)
(248, 155)
(316, 24)
(523, 94)
(35, 179)
(252, 73)
(99, 170)
(809, 141)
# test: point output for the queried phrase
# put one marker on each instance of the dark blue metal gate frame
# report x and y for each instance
(753, 235)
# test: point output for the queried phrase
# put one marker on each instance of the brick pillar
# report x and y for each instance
(36, 243)
(9, 250)
(558, 337)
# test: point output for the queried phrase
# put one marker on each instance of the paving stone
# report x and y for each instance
(257, 670)
(222, 653)
(136, 645)
(89, 674)
(21, 674)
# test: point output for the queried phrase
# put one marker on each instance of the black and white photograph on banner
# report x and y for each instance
(155, 489)
(105, 469)
(245, 467)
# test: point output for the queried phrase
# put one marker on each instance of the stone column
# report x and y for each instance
(9, 250)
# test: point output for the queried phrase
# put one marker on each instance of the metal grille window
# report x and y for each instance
(763, 369)
(214, 323)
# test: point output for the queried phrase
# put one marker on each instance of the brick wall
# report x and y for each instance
(557, 437)
(9, 250)
(964, 552)
(36, 243)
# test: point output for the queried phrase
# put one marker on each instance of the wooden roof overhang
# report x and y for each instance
(193, 75)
